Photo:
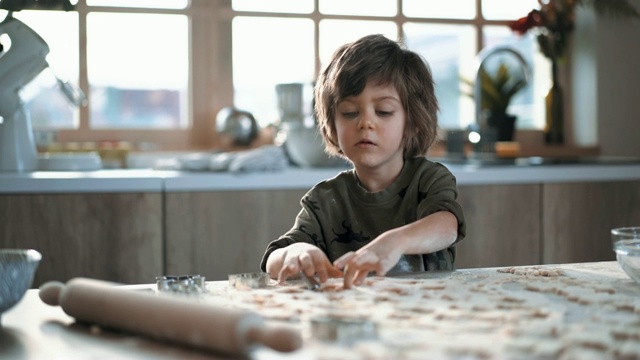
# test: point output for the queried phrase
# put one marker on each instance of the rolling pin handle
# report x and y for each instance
(50, 291)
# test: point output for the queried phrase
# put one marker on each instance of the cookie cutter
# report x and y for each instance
(249, 280)
(343, 329)
(187, 284)
(310, 281)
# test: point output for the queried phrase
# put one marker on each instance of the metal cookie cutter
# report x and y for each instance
(310, 281)
(249, 280)
(343, 329)
(181, 284)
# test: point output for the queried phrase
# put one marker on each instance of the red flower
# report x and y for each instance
(556, 18)
(522, 25)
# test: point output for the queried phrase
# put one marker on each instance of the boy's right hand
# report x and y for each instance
(303, 257)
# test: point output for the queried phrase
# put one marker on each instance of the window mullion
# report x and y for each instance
(83, 80)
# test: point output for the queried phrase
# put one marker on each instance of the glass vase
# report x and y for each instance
(554, 127)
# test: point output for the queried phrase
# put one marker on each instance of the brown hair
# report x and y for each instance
(385, 62)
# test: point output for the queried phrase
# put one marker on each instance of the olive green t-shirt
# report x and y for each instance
(338, 215)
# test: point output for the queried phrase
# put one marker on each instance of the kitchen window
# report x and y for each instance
(156, 72)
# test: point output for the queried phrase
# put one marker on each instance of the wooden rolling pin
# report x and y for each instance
(167, 317)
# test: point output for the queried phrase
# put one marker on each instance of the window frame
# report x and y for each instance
(210, 84)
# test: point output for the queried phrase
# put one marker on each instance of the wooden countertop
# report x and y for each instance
(575, 310)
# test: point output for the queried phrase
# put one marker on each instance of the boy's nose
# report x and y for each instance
(365, 121)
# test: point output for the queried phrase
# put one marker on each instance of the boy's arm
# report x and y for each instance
(432, 233)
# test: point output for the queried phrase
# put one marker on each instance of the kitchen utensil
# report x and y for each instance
(249, 280)
(305, 148)
(186, 284)
(290, 102)
(310, 281)
(19, 65)
(341, 329)
(236, 127)
(17, 268)
(626, 244)
(22, 62)
(167, 317)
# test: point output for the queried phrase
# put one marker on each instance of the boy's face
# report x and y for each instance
(370, 128)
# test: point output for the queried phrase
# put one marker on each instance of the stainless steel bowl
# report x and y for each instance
(236, 127)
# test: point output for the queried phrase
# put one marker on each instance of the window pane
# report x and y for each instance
(138, 70)
(449, 49)
(528, 104)
(262, 59)
(155, 4)
(335, 33)
(507, 9)
(42, 96)
(359, 7)
(281, 6)
(458, 9)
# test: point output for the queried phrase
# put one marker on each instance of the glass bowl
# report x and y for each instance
(17, 268)
(626, 244)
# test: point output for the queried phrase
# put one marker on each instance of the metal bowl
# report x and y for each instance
(236, 127)
(17, 268)
(305, 148)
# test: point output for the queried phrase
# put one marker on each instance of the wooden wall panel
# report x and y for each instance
(503, 226)
(578, 218)
(114, 237)
(215, 234)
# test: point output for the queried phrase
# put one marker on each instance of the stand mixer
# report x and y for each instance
(20, 63)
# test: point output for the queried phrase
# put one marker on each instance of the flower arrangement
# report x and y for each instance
(555, 20)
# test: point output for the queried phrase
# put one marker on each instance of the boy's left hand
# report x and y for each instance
(308, 259)
(376, 257)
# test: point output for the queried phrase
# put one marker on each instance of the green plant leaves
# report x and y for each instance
(499, 89)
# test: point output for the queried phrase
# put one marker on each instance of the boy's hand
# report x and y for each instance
(307, 258)
(379, 256)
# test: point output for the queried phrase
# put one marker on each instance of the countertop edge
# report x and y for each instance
(147, 180)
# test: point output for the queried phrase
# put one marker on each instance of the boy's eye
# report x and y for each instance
(349, 114)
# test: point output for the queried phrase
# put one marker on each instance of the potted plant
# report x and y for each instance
(497, 91)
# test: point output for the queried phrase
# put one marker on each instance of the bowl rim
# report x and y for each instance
(30, 254)
(626, 230)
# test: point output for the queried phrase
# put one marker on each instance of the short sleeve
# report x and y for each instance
(439, 192)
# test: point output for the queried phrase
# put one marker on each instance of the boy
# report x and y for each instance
(395, 211)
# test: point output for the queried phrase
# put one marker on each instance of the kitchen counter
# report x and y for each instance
(585, 310)
(146, 180)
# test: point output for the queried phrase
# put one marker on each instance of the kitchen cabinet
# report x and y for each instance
(578, 218)
(551, 223)
(218, 233)
(116, 229)
(114, 237)
(503, 225)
